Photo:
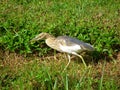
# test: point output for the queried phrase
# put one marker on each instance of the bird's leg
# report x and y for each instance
(81, 58)
(55, 55)
(68, 62)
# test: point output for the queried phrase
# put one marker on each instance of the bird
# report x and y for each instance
(66, 44)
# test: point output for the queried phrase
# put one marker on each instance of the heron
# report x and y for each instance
(65, 44)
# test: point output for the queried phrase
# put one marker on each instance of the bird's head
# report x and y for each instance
(41, 36)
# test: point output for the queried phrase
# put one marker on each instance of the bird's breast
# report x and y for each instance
(70, 49)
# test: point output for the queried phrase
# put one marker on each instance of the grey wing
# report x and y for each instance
(73, 41)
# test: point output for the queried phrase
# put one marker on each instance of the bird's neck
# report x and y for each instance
(49, 41)
(48, 36)
(52, 43)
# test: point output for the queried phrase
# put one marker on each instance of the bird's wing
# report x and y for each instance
(68, 41)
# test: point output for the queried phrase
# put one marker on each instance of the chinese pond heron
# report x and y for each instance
(65, 44)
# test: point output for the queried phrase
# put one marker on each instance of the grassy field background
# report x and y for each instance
(36, 66)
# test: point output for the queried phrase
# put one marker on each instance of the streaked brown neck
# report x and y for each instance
(48, 36)
(51, 42)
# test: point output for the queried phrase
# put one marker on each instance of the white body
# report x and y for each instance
(70, 49)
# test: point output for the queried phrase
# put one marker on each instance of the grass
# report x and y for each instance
(19, 73)
(86, 20)
(35, 66)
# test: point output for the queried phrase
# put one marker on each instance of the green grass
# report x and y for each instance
(42, 75)
(93, 21)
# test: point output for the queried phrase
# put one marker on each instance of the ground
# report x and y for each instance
(13, 62)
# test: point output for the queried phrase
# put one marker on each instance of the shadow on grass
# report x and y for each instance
(96, 57)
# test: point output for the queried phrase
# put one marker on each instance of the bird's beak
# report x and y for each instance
(35, 39)
(31, 41)
(38, 37)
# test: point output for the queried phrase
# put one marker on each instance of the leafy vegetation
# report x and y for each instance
(92, 21)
